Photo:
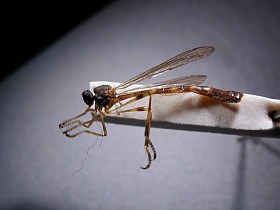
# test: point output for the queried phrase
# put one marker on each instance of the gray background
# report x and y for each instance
(193, 170)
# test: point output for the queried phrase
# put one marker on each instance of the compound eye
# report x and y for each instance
(88, 97)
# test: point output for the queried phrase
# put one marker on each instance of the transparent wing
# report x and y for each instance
(190, 80)
(179, 60)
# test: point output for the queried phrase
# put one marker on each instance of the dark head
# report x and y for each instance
(88, 97)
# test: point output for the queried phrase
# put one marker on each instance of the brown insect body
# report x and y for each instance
(106, 97)
(217, 94)
(103, 96)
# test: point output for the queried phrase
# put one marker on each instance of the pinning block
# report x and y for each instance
(253, 116)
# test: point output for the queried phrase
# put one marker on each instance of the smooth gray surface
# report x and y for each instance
(193, 170)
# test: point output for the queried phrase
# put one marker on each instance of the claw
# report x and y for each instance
(69, 136)
(149, 145)
(153, 149)
(149, 158)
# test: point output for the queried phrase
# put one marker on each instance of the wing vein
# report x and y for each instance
(179, 60)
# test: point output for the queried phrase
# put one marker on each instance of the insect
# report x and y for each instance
(106, 100)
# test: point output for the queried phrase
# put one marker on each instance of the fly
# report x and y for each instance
(106, 100)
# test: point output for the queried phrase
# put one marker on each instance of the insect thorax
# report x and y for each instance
(103, 95)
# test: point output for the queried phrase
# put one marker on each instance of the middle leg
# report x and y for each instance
(148, 143)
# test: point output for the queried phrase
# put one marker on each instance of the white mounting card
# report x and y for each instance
(190, 111)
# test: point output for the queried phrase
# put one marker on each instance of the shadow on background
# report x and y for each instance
(29, 206)
(27, 30)
(270, 148)
(240, 181)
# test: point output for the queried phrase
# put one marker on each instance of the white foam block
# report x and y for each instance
(190, 111)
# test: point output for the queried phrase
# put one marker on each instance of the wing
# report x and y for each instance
(179, 60)
(190, 80)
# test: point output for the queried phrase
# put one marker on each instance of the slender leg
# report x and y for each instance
(101, 119)
(71, 120)
(77, 123)
(137, 109)
(148, 143)
(74, 123)
(136, 98)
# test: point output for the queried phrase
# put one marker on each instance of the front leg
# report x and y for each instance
(103, 133)
(69, 122)
(69, 127)
(148, 143)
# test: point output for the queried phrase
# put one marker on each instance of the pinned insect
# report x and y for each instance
(106, 100)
